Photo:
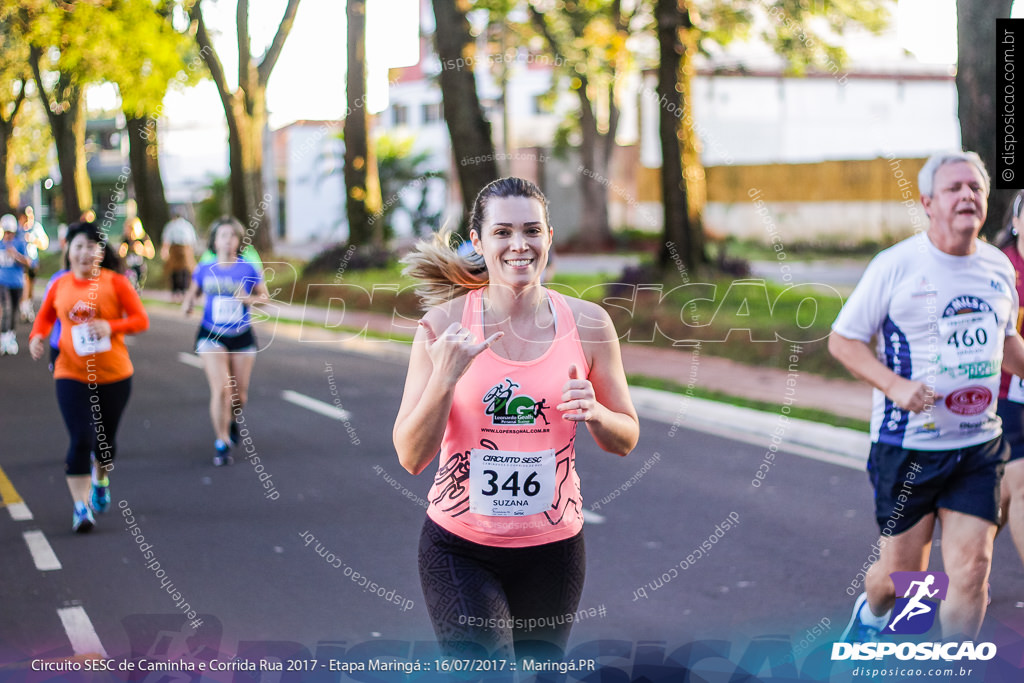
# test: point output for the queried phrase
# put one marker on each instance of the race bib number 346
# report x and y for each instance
(511, 483)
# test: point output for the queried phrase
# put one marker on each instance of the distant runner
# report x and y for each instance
(225, 340)
(97, 306)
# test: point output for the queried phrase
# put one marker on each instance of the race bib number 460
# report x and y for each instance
(511, 483)
(968, 339)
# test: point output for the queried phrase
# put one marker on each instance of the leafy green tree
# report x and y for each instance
(246, 111)
(66, 53)
(405, 176)
(31, 147)
(14, 77)
(153, 55)
(587, 39)
(69, 50)
(216, 203)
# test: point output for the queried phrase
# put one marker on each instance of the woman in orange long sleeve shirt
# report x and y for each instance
(96, 306)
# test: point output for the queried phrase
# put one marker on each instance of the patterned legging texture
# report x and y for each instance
(488, 602)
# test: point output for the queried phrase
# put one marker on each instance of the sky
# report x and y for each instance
(308, 81)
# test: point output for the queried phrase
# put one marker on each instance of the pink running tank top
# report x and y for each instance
(507, 470)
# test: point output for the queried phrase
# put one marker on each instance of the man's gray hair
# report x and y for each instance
(926, 178)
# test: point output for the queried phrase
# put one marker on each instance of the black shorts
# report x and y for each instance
(179, 280)
(1012, 415)
(911, 484)
(54, 352)
(208, 341)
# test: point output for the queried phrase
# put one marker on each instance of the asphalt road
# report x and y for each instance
(280, 575)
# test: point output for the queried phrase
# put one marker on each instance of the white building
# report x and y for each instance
(308, 159)
(747, 111)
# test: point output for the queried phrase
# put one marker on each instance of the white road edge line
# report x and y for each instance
(591, 517)
(82, 635)
(310, 403)
(19, 512)
(190, 359)
(42, 554)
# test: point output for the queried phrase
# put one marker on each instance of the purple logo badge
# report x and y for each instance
(914, 612)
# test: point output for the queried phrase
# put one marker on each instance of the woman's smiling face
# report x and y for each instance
(515, 240)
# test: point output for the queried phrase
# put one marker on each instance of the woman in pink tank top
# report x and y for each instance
(502, 371)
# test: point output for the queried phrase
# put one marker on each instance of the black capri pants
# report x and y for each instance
(503, 603)
(91, 416)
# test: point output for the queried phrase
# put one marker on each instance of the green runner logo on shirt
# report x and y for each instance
(507, 409)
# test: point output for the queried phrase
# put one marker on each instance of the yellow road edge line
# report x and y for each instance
(7, 491)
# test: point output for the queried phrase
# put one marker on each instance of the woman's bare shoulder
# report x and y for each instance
(441, 316)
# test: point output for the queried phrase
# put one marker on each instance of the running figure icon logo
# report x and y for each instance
(914, 613)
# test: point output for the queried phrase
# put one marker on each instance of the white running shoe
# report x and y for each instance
(28, 313)
(8, 344)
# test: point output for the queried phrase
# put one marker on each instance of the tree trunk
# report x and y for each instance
(364, 228)
(681, 172)
(249, 201)
(470, 132)
(594, 229)
(67, 127)
(143, 156)
(68, 130)
(976, 91)
(8, 185)
(245, 110)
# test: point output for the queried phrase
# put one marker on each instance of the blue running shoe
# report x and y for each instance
(864, 626)
(83, 521)
(223, 456)
(99, 501)
(234, 438)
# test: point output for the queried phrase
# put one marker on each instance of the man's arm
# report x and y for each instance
(1013, 355)
(858, 358)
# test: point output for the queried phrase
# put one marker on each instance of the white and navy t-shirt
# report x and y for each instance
(941, 320)
(222, 283)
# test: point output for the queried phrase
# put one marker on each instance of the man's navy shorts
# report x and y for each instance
(911, 484)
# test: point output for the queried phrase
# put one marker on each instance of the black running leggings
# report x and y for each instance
(486, 601)
(92, 417)
(10, 299)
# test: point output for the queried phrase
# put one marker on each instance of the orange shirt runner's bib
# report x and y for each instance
(77, 303)
(507, 469)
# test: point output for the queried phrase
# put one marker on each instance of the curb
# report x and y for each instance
(839, 445)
